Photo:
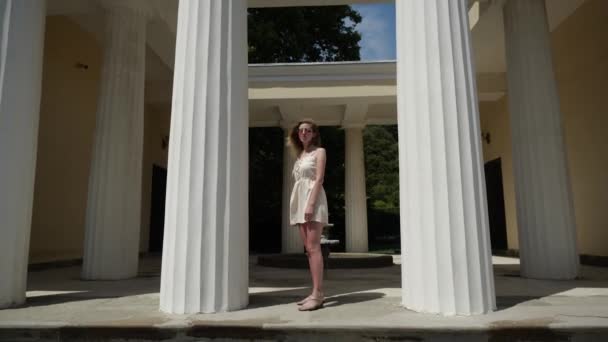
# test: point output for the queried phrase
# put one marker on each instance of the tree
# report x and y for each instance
(382, 166)
(382, 184)
(303, 34)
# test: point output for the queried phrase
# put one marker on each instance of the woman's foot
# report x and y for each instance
(309, 297)
(304, 300)
(312, 303)
(314, 294)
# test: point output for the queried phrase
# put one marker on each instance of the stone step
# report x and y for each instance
(332, 334)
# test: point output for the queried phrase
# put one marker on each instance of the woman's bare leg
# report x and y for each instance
(315, 257)
(302, 229)
(303, 234)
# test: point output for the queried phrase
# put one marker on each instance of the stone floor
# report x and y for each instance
(362, 305)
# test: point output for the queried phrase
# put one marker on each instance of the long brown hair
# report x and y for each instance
(294, 141)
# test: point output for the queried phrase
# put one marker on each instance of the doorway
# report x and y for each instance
(157, 209)
(496, 205)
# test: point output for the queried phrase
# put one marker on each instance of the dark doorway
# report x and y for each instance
(496, 205)
(157, 209)
(265, 189)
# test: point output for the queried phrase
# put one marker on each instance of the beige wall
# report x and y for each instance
(580, 53)
(495, 120)
(67, 123)
(581, 58)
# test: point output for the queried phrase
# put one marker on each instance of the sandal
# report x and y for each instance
(304, 300)
(309, 297)
(312, 304)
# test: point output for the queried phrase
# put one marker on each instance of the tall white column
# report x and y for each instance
(354, 192)
(112, 226)
(291, 242)
(205, 251)
(545, 213)
(447, 266)
(21, 57)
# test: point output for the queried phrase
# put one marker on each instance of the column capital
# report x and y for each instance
(353, 125)
(287, 125)
(355, 115)
(290, 114)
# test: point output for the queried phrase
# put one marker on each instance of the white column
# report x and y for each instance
(354, 192)
(21, 57)
(291, 242)
(545, 213)
(205, 250)
(447, 266)
(112, 226)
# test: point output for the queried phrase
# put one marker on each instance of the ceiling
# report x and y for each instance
(278, 91)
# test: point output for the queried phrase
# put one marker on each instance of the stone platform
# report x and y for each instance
(362, 305)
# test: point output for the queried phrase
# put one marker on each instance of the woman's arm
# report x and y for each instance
(318, 183)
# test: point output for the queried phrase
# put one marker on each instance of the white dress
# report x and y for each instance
(304, 173)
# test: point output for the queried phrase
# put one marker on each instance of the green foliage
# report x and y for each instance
(303, 34)
(382, 167)
(382, 184)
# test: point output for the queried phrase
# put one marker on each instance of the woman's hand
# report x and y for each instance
(308, 213)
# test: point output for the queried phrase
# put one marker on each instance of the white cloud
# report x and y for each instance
(377, 32)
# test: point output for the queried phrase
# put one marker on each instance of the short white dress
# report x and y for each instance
(304, 173)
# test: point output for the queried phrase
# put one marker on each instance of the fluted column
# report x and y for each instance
(354, 192)
(21, 54)
(545, 213)
(112, 226)
(447, 266)
(291, 242)
(205, 251)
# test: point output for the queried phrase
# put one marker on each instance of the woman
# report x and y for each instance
(308, 204)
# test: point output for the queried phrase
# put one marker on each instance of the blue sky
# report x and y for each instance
(377, 30)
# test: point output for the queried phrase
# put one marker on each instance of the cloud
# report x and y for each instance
(377, 30)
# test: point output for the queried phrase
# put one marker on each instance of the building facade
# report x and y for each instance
(92, 93)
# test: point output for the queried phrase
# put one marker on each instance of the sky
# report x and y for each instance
(377, 30)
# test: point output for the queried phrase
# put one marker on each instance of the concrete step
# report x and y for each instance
(298, 334)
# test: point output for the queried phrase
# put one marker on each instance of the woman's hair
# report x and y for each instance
(294, 141)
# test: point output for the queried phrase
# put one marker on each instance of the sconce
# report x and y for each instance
(81, 66)
(485, 136)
